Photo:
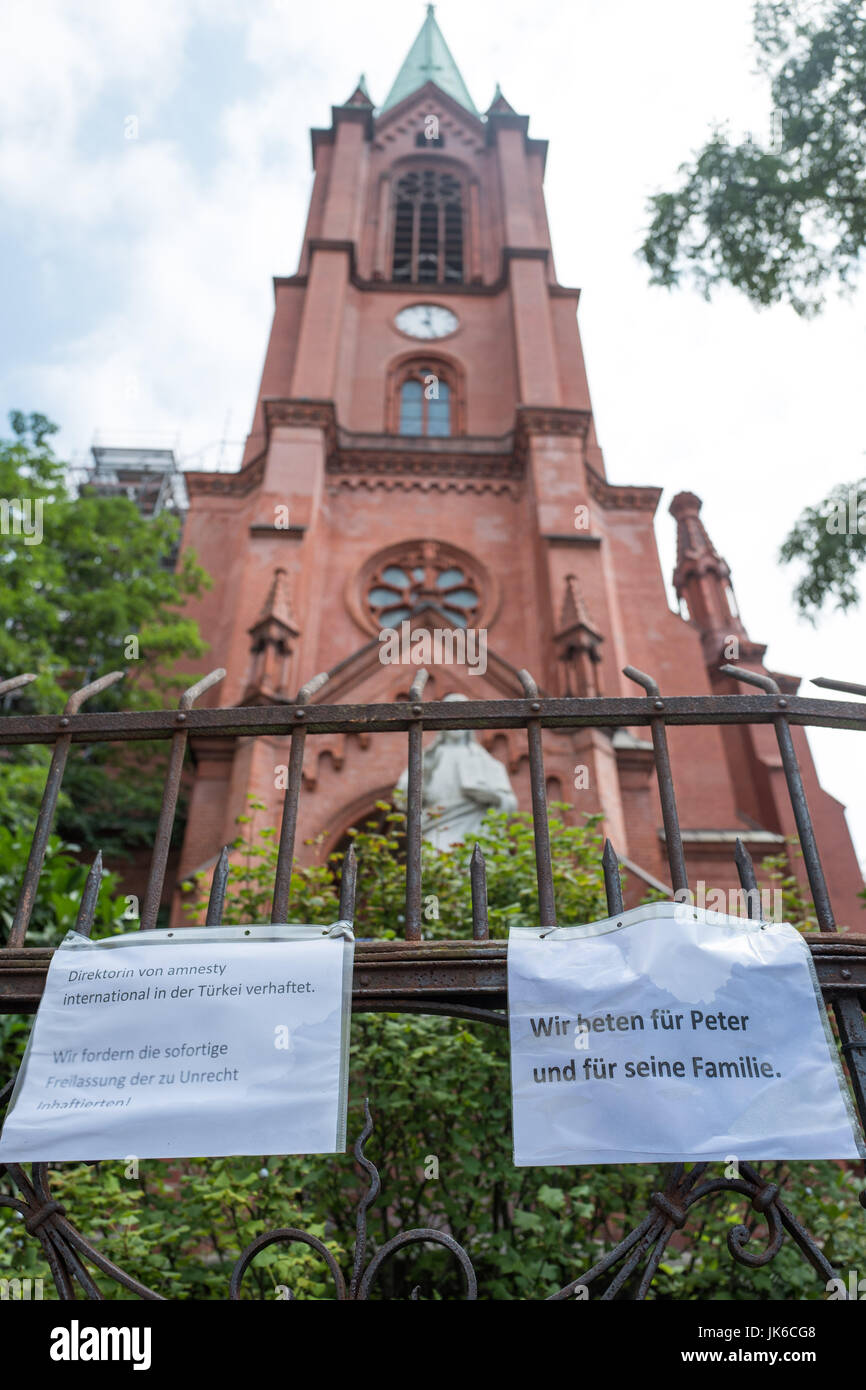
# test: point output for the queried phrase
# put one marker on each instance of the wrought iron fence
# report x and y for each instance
(461, 978)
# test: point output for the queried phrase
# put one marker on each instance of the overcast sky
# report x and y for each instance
(136, 272)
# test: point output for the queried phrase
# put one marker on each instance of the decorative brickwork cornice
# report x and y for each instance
(408, 462)
(227, 484)
(302, 414)
(464, 464)
(356, 460)
(533, 419)
(621, 497)
(278, 411)
(398, 462)
(424, 483)
(395, 462)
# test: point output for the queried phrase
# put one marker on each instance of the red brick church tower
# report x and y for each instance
(423, 450)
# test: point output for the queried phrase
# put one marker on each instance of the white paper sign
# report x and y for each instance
(671, 1034)
(192, 1043)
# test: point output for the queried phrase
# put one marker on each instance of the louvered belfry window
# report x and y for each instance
(428, 228)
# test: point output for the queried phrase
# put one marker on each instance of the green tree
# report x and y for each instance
(828, 541)
(782, 219)
(779, 219)
(88, 586)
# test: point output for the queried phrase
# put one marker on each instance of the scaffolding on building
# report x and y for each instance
(151, 478)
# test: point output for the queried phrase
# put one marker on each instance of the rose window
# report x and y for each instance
(423, 576)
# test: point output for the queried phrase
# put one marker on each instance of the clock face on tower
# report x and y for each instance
(426, 321)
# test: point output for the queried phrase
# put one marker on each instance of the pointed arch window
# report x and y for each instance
(428, 228)
(425, 403)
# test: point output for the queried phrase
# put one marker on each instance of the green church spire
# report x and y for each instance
(429, 60)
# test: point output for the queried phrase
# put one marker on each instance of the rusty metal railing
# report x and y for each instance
(460, 977)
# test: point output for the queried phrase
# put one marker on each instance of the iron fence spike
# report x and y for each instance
(348, 885)
(312, 687)
(528, 682)
(478, 884)
(763, 682)
(847, 686)
(612, 879)
(416, 689)
(16, 682)
(540, 824)
(89, 897)
(641, 678)
(189, 696)
(78, 697)
(218, 886)
(747, 876)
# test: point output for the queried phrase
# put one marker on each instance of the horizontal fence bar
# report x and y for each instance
(436, 972)
(275, 720)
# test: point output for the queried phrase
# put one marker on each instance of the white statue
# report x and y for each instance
(460, 781)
